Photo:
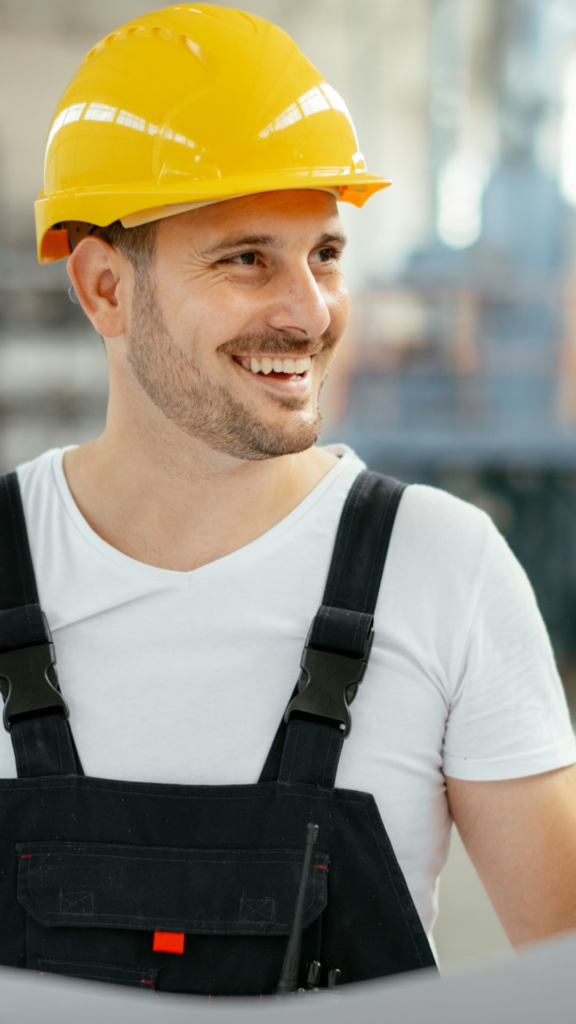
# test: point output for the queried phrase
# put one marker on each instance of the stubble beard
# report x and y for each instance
(202, 408)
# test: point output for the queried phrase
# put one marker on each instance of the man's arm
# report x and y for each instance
(521, 837)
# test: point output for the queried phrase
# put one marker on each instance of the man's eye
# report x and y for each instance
(243, 259)
(328, 254)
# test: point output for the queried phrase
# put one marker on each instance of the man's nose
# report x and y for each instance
(299, 305)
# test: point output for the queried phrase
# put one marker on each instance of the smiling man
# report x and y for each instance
(159, 790)
(219, 356)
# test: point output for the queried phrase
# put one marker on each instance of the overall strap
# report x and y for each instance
(35, 712)
(308, 743)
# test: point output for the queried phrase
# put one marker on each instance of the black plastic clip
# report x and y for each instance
(24, 682)
(328, 684)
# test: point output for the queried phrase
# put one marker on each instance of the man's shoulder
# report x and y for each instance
(445, 533)
(38, 481)
(440, 508)
(39, 466)
(432, 526)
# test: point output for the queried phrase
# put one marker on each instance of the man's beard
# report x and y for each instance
(203, 409)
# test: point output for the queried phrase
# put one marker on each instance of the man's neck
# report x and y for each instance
(181, 518)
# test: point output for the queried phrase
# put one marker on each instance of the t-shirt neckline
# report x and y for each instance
(347, 460)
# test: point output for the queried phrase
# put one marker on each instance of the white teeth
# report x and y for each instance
(266, 364)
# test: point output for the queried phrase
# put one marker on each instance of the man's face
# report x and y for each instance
(233, 330)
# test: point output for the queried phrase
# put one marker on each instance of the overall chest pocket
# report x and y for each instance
(92, 911)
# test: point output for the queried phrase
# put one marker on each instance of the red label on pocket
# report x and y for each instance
(168, 942)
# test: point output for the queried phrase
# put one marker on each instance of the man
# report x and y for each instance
(181, 556)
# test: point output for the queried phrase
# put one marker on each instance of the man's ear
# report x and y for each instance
(103, 280)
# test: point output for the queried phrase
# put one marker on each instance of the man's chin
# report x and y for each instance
(266, 442)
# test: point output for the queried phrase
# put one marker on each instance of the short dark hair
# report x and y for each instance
(137, 244)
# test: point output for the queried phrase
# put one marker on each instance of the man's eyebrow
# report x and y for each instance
(335, 237)
(242, 242)
(256, 241)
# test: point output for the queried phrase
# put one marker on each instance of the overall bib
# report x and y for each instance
(193, 888)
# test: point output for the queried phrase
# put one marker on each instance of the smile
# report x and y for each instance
(285, 375)
(275, 364)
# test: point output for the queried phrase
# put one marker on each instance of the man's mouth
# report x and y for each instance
(281, 368)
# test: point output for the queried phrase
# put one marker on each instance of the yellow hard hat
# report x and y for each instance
(186, 105)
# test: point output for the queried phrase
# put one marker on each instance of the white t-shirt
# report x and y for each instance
(183, 677)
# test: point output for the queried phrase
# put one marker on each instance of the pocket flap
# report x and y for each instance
(204, 892)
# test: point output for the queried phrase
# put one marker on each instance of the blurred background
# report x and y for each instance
(459, 367)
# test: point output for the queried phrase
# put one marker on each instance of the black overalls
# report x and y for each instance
(95, 873)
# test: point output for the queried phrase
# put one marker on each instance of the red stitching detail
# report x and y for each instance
(25, 856)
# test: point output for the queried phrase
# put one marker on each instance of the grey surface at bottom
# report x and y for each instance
(538, 986)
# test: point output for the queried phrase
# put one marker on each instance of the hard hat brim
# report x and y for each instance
(102, 206)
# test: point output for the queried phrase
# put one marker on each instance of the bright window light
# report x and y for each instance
(461, 185)
(568, 166)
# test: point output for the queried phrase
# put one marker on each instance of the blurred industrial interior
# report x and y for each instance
(459, 368)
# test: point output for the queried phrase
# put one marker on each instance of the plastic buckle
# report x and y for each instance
(24, 682)
(328, 684)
